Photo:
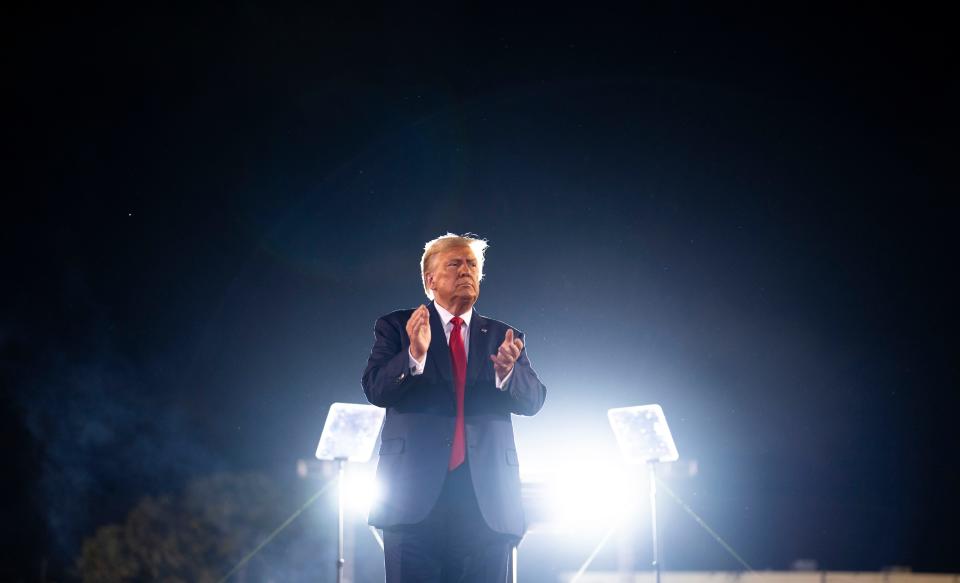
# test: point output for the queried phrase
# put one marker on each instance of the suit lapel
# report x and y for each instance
(439, 353)
(478, 357)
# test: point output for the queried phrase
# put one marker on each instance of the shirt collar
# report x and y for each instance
(446, 316)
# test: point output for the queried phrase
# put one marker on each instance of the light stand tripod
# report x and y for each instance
(349, 434)
(644, 437)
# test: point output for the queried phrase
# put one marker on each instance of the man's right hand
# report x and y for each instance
(418, 330)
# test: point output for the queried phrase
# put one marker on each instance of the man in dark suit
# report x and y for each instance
(450, 379)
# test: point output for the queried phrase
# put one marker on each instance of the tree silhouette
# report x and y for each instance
(191, 537)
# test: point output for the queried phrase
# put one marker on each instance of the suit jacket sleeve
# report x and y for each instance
(524, 389)
(387, 377)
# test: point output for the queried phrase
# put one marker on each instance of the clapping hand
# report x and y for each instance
(506, 355)
(418, 330)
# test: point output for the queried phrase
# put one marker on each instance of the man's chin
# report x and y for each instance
(467, 295)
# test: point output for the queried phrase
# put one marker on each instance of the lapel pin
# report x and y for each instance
(483, 330)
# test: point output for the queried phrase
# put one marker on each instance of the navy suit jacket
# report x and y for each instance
(421, 413)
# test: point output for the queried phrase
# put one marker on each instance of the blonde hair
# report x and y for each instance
(445, 243)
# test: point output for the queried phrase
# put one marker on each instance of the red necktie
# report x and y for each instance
(458, 357)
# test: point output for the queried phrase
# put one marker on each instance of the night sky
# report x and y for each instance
(746, 215)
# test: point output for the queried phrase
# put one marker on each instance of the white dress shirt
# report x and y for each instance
(416, 367)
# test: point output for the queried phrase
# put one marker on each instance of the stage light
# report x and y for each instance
(586, 495)
(360, 490)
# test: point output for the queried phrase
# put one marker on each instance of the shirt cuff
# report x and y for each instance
(416, 367)
(502, 384)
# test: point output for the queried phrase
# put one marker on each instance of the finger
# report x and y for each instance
(415, 323)
(519, 344)
(501, 367)
(508, 339)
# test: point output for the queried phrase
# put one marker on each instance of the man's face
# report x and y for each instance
(454, 279)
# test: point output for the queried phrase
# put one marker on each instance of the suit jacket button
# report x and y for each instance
(449, 442)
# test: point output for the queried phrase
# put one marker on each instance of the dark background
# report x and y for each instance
(746, 214)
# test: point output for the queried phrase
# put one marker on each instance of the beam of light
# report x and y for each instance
(376, 536)
(593, 555)
(696, 517)
(278, 530)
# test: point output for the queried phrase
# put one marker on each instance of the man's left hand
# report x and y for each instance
(506, 355)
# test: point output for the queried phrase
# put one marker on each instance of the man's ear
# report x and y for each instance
(430, 281)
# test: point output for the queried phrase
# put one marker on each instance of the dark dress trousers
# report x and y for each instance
(421, 412)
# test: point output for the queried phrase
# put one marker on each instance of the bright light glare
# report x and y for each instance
(593, 494)
(360, 490)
